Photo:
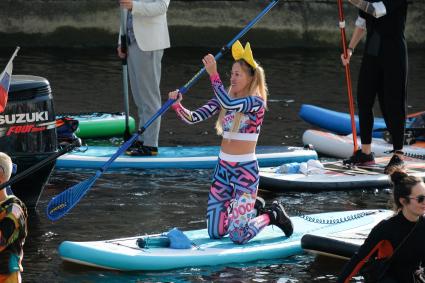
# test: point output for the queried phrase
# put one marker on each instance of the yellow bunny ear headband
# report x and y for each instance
(239, 52)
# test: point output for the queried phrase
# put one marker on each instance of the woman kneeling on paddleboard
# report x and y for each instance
(232, 207)
(399, 238)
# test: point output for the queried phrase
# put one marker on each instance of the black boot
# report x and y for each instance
(360, 158)
(279, 218)
(395, 163)
(260, 205)
(136, 145)
(139, 149)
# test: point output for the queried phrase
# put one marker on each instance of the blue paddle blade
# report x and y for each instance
(65, 201)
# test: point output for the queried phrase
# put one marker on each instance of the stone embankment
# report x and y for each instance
(95, 23)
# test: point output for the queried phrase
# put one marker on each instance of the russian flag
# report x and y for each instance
(5, 78)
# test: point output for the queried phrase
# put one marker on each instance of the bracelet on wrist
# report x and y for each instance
(351, 49)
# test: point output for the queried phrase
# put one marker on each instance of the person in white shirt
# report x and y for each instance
(147, 37)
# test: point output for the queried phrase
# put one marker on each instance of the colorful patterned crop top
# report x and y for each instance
(252, 107)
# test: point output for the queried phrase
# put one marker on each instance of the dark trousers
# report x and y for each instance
(384, 76)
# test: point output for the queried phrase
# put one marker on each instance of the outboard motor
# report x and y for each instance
(28, 133)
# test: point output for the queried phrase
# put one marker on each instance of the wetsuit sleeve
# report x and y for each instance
(376, 9)
(244, 105)
(392, 5)
(375, 236)
(192, 117)
(9, 226)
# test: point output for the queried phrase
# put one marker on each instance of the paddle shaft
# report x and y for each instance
(347, 74)
(38, 166)
(65, 201)
(124, 49)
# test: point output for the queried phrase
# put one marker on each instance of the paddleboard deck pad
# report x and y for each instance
(337, 176)
(124, 254)
(178, 157)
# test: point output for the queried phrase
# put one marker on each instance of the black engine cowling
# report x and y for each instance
(28, 133)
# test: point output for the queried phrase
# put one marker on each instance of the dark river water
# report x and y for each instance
(137, 202)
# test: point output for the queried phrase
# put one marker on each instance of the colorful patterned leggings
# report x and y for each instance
(231, 202)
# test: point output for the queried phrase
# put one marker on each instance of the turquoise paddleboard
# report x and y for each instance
(124, 254)
(178, 157)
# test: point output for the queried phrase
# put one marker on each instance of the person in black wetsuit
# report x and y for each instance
(383, 73)
(409, 199)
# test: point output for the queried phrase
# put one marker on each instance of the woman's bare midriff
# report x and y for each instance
(238, 147)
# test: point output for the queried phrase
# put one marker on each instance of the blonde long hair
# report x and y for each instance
(258, 87)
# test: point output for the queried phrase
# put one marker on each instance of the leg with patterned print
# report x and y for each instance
(218, 202)
(243, 223)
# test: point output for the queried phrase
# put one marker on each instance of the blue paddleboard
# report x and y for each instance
(124, 254)
(338, 122)
(178, 157)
